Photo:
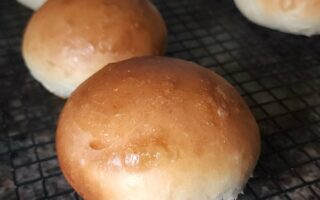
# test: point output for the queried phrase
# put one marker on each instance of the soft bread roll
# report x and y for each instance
(157, 128)
(66, 41)
(32, 4)
(301, 17)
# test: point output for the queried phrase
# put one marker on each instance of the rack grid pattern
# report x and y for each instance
(277, 74)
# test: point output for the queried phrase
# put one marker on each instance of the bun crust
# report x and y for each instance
(157, 128)
(301, 17)
(66, 41)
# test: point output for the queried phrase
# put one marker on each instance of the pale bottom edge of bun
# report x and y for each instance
(230, 194)
(157, 186)
(57, 88)
(32, 4)
(302, 29)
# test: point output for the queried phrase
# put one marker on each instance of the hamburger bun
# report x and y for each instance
(157, 128)
(300, 17)
(66, 41)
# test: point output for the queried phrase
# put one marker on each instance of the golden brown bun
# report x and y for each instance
(66, 41)
(157, 128)
(301, 17)
(32, 4)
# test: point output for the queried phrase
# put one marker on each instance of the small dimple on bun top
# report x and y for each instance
(66, 41)
(157, 128)
(300, 17)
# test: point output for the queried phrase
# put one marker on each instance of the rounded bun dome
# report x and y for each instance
(66, 41)
(157, 128)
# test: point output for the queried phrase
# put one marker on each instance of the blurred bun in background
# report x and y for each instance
(300, 17)
(66, 41)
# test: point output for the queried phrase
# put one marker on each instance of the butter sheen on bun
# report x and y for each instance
(66, 41)
(300, 17)
(157, 128)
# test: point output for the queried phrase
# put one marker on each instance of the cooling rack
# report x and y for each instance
(277, 74)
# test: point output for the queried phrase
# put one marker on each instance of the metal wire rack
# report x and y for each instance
(277, 74)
